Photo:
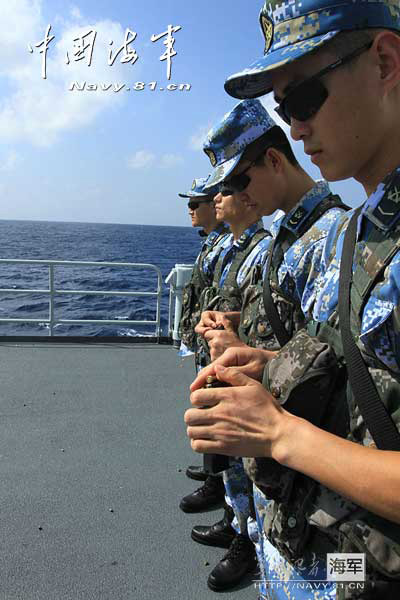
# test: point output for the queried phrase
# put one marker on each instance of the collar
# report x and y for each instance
(299, 213)
(382, 207)
(221, 228)
(248, 233)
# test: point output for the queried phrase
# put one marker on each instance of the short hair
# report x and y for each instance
(348, 41)
(274, 138)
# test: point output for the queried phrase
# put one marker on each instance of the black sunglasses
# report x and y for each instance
(305, 100)
(238, 183)
(192, 205)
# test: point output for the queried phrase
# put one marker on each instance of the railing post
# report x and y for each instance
(171, 280)
(51, 299)
(183, 273)
(159, 300)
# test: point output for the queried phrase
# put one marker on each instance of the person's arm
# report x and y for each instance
(246, 420)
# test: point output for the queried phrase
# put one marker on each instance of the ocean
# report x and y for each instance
(42, 240)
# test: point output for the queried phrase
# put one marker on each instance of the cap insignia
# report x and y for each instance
(211, 156)
(267, 27)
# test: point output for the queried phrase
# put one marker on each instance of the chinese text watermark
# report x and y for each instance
(83, 48)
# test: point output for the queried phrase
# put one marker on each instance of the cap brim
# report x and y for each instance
(195, 195)
(256, 80)
(222, 172)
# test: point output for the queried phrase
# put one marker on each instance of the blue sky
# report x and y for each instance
(117, 157)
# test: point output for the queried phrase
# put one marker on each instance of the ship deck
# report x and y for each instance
(93, 453)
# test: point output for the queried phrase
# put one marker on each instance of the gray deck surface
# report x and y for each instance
(86, 429)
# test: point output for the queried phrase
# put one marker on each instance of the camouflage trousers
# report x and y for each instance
(282, 580)
(236, 494)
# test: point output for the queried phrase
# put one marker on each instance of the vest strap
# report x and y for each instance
(374, 412)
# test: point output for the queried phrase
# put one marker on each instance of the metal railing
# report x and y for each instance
(52, 321)
(176, 279)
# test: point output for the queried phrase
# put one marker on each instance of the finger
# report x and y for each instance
(201, 378)
(208, 447)
(198, 328)
(207, 397)
(201, 432)
(209, 321)
(210, 334)
(227, 323)
(196, 417)
(233, 375)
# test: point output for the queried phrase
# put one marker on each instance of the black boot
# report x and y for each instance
(220, 534)
(209, 495)
(239, 560)
(196, 472)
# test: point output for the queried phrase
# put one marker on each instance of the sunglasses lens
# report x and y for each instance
(238, 183)
(226, 191)
(193, 205)
(304, 102)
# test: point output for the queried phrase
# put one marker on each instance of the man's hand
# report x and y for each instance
(249, 361)
(210, 319)
(220, 340)
(243, 420)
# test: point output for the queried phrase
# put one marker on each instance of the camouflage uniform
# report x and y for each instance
(232, 285)
(303, 517)
(225, 145)
(202, 273)
(293, 275)
(202, 276)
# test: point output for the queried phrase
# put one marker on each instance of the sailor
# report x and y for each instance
(226, 144)
(214, 233)
(306, 211)
(329, 468)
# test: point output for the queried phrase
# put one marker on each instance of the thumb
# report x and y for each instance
(233, 376)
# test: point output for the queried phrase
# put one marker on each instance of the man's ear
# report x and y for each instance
(387, 48)
(273, 158)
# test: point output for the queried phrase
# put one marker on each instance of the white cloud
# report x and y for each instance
(168, 161)
(197, 139)
(37, 111)
(9, 161)
(141, 159)
(75, 13)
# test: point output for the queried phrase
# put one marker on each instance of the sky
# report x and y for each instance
(118, 154)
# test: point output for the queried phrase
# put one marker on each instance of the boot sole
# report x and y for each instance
(217, 544)
(198, 509)
(196, 476)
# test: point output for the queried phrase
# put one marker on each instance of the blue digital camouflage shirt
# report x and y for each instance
(380, 327)
(210, 260)
(301, 264)
(256, 257)
(298, 275)
(208, 265)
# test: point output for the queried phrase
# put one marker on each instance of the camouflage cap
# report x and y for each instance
(198, 191)
(227, 141)
(292, 28)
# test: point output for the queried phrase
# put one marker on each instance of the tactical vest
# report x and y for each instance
(255, 328)
(191, 309)
(309, 378)
(227, 297)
